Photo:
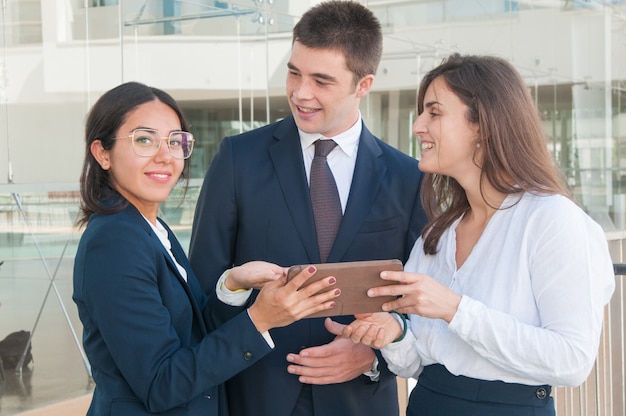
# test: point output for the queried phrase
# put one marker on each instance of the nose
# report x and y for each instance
(419, 126)
(302, 90)
(164, 150)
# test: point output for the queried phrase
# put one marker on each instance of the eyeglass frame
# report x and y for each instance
(131, 136)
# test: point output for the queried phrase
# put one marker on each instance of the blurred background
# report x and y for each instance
(225, 62)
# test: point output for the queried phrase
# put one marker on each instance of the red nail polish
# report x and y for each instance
(311, 269)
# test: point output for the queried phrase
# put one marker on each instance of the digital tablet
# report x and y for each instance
(354, 279)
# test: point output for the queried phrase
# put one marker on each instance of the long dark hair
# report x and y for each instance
(104, 119)
(515, 156)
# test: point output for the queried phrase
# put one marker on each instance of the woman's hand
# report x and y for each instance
(375, 330)
(253, 275)
(281, 302)
(419, 294)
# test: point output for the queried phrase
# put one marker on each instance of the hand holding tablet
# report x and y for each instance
(354, 279)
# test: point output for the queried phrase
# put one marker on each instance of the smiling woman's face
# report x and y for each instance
(143, 181)
(448, 139)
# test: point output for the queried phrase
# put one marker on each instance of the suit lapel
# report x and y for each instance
(368, 175)
(286, 154)
(190, 286)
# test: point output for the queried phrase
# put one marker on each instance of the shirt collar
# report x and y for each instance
(346, 141)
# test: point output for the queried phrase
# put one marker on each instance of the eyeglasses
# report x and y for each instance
(147, 142)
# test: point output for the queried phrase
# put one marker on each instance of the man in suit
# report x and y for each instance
(255, 204)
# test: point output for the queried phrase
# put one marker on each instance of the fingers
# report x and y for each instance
(333, 327)
(391, 290)
(305, 283)
(314, 297)
(370, 335)
(404, 279)
(374, 330)
(397, 276)
(319, 302)
(336, 362)
(253, 274)
(299, 279)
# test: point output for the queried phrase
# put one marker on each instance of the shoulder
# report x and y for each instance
(124, 227)
(384, 149)
(278, 129)
(369, 140)
(114, 245)
(395, 160)
(557, 212)
(553, 203)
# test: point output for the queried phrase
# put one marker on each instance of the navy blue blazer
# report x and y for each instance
(154, 341)
(255, 205)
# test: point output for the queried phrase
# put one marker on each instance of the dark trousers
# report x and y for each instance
(440, 393)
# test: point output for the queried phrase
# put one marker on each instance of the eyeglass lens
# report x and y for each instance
(147, 143)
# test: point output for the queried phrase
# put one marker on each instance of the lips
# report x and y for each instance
(427, 145)
(307, 110)
(159, 176)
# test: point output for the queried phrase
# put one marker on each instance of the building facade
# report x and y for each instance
(226, 64)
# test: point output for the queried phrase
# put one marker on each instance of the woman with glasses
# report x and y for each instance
(155, 342)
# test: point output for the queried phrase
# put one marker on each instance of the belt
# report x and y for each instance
(437, 378)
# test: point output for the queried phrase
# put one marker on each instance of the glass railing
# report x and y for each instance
(38, 243)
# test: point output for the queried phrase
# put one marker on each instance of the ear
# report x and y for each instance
(102, 156)
(364, 85)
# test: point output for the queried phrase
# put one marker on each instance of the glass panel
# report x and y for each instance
(225, 62)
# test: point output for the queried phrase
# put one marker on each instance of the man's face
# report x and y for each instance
(321, 91)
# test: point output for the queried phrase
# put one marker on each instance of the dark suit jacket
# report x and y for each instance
(149, 335)
(255, 205)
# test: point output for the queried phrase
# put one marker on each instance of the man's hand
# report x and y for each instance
(336, 362)
(253, 275)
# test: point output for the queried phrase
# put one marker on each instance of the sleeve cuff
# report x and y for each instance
(266, 335)
(229, 297)
(374, 373)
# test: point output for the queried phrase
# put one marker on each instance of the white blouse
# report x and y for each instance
(161, 232)
(533, 294)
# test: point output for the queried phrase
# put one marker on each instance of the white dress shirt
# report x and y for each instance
(533, 294)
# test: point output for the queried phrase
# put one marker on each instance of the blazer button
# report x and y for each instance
(247, 355)
(541, 393)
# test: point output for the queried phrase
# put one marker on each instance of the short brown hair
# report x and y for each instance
(345, 26)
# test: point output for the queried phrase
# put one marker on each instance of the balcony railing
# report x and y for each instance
(604, 391)
(50, 217)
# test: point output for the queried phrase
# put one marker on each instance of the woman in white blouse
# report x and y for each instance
(505, 289)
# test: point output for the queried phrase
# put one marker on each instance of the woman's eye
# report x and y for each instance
(143, 140)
